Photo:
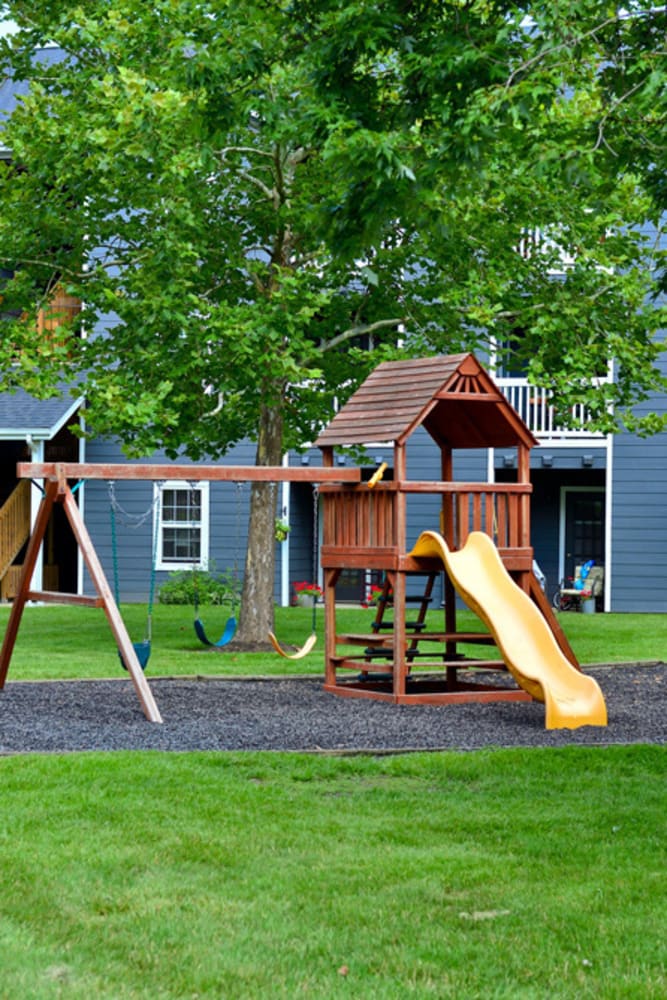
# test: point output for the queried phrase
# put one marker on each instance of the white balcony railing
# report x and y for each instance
(533, 406)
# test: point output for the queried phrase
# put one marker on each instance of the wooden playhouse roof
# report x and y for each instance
(451, 396)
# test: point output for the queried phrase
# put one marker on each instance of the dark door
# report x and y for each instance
(584, 528)
(351, 586)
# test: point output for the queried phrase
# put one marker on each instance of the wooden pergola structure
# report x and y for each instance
(457, 402)
(57, 490)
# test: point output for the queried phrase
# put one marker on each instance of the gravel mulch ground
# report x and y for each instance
(296, 714)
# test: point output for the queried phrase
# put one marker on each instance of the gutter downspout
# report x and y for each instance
(36, 455)
(609, 503)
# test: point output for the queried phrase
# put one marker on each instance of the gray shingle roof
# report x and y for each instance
(22, 414)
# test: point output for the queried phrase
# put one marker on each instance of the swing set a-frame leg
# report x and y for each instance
(59, 492)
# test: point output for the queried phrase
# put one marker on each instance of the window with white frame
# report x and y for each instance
(183, 526)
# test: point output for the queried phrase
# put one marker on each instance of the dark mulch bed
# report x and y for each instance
(296, 714)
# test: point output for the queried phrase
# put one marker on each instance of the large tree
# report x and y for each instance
(258, 201)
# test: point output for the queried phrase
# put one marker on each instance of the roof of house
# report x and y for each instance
(451, 396)
(22, 415)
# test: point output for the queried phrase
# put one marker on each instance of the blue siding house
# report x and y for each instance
(595, 497)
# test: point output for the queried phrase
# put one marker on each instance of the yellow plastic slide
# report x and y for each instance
(526, 642)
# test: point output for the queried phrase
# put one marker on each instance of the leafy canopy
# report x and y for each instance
(258, 201)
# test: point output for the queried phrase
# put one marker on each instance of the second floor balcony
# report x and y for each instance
(534, 407)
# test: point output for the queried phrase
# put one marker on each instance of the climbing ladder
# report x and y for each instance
(382, 624)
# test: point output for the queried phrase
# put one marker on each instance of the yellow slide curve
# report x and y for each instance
(527, 644)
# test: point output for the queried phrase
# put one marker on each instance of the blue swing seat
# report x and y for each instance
(143, 651)
(227, 635)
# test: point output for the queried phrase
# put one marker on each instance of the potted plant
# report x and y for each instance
(281, 529)
(374, 596)
(587, 602)
(307, 594)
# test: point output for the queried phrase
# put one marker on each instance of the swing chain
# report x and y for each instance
(136, 521)
(132, 520)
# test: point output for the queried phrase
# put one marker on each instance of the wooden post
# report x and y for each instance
(523, 476)
(447, 515)
(330, 580)
(397, 581)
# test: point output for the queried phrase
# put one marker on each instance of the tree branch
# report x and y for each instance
(605, 118)
(270, 193)
(358, 331)
(539, 56)
(244, 149)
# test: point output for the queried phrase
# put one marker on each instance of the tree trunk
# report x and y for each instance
(256, 618)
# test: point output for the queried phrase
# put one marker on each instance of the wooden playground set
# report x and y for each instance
(365, 527)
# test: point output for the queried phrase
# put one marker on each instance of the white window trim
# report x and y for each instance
(171, 565)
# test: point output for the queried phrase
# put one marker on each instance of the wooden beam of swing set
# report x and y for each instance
(62, 471)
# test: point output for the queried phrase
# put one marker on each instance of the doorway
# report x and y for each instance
(582, 528)
(60, 571)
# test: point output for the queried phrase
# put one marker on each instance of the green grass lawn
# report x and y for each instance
(507, 874)
(519, 874)
(58, 642)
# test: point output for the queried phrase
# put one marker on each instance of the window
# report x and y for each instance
(183, 528)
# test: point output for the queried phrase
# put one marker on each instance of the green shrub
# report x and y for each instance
(199, 586)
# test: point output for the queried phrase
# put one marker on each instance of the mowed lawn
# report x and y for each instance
(64, 642)
(506, 874)
(494, 874)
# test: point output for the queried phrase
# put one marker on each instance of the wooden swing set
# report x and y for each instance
(57, 490)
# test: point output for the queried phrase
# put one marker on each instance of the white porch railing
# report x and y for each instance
(532, 405)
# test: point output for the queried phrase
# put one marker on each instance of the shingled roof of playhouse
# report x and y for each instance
(451, 396)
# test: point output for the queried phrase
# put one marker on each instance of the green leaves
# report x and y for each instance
(257, 202)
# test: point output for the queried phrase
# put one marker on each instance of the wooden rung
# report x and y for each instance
(375, 639)
(53, 597)
(436, 666)
(416, 626)
(362, 639)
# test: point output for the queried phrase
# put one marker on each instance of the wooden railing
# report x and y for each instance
(363, 519)
(14, 525)
(500, 510)
(360, 518)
